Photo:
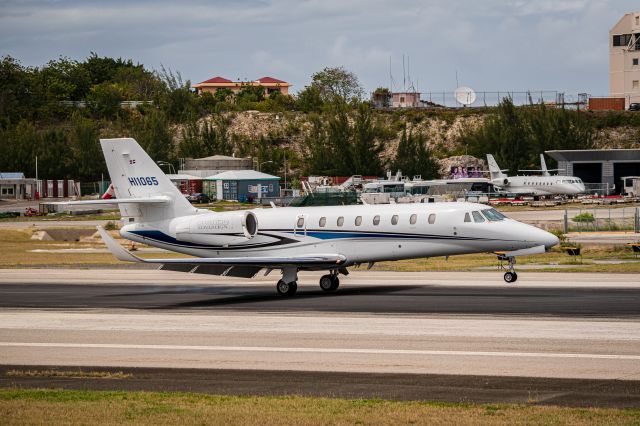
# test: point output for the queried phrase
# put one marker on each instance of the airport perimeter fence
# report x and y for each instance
(493, 98)
(597, 220)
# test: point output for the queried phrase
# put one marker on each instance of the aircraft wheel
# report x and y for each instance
(336, 283)
(510, 277)
(326, 283)
(286, 289)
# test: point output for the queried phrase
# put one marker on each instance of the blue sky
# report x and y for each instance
(491, 44)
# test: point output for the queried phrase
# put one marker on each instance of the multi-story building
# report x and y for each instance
(270, 85)
(624, 58)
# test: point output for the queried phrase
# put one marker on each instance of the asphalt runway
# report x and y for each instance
(562, 335)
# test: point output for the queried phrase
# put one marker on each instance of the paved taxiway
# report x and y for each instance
(581, 326)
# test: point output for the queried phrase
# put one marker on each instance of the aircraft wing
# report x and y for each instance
(147, 200)
(121, 253)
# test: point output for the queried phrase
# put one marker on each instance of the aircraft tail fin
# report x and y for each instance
(134, 175)
(494, 169)
(543, 166)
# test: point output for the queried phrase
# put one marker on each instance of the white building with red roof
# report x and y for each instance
(270, 85)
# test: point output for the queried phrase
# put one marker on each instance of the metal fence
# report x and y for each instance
(594, 220)
(493, 98)
(93, 188)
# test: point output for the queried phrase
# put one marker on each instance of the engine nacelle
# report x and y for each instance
(500, 181)
(226, 228)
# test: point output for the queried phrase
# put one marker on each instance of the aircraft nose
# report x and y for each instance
(546, 239)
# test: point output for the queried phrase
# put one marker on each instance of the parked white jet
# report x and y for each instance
(544, 184)
(291, 239)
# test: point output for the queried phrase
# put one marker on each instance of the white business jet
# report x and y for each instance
(542, 185)
(291, 239)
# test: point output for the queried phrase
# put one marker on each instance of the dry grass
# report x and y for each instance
(55, 407)
(75, 374)
(17, 252)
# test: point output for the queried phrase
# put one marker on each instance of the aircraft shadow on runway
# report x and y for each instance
(263, 295)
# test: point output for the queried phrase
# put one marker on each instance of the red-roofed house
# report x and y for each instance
(270, 85)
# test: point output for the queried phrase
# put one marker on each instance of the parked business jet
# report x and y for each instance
(291, 239)
(542, 185)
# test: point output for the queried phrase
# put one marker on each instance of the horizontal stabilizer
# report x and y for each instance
(116, 249)
(147, 200)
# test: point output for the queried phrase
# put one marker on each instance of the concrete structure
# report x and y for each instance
(14, 186)
(213, 165)
(381, 98)
(624, 59)
(270, 85)
(241, 185)
(405, 100)
(599, 166)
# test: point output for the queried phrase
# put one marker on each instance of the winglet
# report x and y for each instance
(116, 249)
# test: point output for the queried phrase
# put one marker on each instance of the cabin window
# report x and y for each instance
(376, 220)
(467, 217)
(358, 220)
(323, 222)
(340, 221)
(300, 222)
(413, 219)
(394, 219)
(477, 217)
(432, 218)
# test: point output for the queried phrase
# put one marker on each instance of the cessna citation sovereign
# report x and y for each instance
(542, 185)
(290, 239)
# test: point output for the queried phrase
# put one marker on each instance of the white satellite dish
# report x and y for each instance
(465, 95)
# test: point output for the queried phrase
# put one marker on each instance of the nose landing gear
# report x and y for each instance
(510, 276)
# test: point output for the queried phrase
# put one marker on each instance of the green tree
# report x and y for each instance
(319, 158)
(84, 143)
(54, 156)
(337, 82)
(414, 157)
(19, 148)
(155, 136)
(16, 92)
(104, 99)
(365, 150)
(309, 100)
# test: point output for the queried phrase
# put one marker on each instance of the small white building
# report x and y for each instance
(15, 186)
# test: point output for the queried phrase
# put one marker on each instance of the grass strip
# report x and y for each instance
(70, 374)
(54, 407)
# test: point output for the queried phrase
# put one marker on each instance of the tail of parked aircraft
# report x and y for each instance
(142, 190)
(494, 169)
(543, 166)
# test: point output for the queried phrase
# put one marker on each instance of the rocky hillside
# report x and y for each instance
(443, 131)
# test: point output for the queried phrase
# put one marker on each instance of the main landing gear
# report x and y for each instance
(330, 282)
(510, 276)
(288, 285)
(286, 289)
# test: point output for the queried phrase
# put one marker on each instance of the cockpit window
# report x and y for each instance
(467, 217)
(493, 215)
(477, 217)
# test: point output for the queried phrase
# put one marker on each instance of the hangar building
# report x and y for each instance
(241, 185)
(599, 166)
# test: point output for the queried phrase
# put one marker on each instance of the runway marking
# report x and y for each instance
(321, 350)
